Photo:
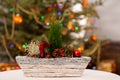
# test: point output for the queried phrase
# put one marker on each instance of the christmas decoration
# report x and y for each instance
(76, 28)
(59, 52)
(55, 49)
(76, 8)
(54, 5)
(60, 6)
(42, 17)
(70, 25)
(60, 24)
(64, 31)
(85, 3)
(81, 48)
(82, 21)
(74, 21)
(94, 37)
(72, 15)
(55, 36)
(11, 45)
(24, 45)
(77, 35)
(8, 66)
(77, 53)
(47, 56)
(39, 14)
(41, 48)
(33, 48)
(18, 19)
(49, 9)
(59, 13)
(55, 67)
(11, 9)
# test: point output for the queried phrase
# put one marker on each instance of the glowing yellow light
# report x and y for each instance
(81, 48)
(70, 25)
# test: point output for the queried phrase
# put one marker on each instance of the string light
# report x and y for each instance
(19, 47)
(11, 46)
(69, 24)
(85, 3)
(72, 28)
(72, 15)
(24, 45)
(59, 13)
(11, 9)
(76, 28)
(76, 8)
(54, 5)
(42, 17)
(60, 6)
(47, 23)
(81, 48)
(60, 24)
(94, 37)
(49, 9)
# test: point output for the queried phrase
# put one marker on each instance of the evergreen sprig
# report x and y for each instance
(55, 36)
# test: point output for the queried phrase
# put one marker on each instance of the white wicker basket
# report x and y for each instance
(53, 67)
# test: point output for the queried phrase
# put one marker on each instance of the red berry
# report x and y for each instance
(63, 55)
(47, 56)
(77, 53)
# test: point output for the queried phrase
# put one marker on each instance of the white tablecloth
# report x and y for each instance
(87, 75)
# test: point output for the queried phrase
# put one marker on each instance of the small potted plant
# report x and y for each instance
(51, 59)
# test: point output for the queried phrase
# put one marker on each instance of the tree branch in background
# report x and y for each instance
(30, 13)
(24, 10)
(13, 26)
(65, 11)
(37, 21)
(6, 49)
(6, 29)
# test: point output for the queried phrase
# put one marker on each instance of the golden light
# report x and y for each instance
(70, 25)
(85, 3)
(81, 48)
(94, 37)
(72, 15)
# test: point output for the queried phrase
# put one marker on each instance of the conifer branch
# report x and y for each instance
(13, 25)
(30, 13)
(6, 49)
(6, 29)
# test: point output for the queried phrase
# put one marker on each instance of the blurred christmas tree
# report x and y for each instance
(24, 20)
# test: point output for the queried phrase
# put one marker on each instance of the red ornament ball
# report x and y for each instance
(76, 53)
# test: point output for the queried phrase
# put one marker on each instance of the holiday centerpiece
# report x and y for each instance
(52, 59)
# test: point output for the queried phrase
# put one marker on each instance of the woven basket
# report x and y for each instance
(52, 67)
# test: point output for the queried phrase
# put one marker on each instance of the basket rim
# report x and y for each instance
(86, 57)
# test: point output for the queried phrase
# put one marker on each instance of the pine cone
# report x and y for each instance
(59, 52)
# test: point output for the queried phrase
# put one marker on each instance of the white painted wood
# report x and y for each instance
(52, 67)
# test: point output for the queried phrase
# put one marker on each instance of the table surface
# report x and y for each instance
(87, 75)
